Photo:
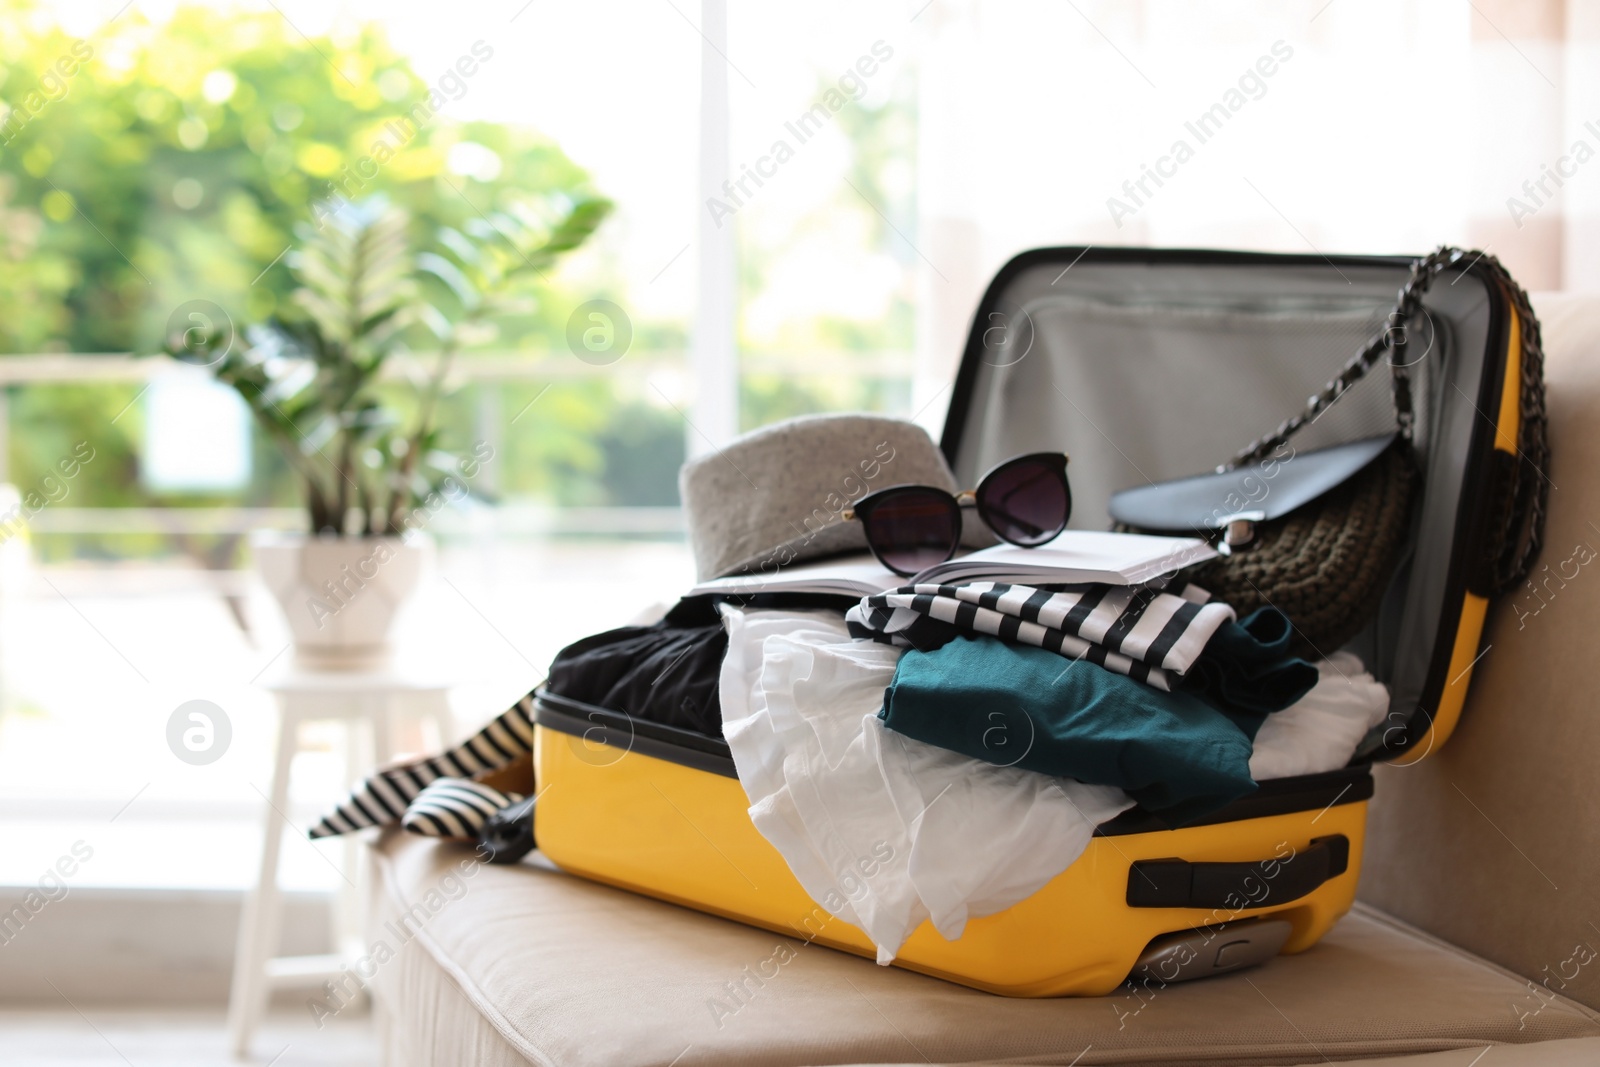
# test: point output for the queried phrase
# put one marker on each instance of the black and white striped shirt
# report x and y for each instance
(1146, 633)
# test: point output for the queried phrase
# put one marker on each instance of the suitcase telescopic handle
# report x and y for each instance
(1176, 883)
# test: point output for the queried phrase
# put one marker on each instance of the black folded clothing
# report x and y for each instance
(666, 673)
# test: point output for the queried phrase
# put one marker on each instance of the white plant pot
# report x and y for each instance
(340, 595)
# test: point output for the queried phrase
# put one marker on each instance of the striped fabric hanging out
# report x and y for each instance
(384, 797)
(455, 807)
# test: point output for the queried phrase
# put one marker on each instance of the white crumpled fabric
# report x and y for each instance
(1320, 732)
(881, 830)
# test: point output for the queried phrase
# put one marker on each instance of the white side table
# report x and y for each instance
(370, 704)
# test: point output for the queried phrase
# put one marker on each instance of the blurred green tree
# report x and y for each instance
(173, 163)
(155, 163)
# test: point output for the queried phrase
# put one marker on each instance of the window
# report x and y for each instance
(831, 228)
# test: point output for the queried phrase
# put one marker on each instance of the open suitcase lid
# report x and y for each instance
(1146, 365)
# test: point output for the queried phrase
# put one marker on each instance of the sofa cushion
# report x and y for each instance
(1577, 1052)
(1489, 841)
(566, 971)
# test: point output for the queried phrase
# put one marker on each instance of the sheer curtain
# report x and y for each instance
(1327, 125)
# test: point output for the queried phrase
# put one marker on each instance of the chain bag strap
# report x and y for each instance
(1391, 338)
(1522, 497)
(1324, 544)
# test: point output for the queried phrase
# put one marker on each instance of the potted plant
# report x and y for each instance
(372, 469)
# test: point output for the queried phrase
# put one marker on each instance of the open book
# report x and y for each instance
(1077, 556)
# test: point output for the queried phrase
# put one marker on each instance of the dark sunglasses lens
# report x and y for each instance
(914, 530)
(1026, 502)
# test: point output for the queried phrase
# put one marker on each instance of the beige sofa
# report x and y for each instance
(1472, 944)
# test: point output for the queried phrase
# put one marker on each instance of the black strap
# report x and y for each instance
(507, 835)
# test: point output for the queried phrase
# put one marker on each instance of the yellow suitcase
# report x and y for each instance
(1140, 360)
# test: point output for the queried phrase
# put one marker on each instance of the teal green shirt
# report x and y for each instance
(1017, 705)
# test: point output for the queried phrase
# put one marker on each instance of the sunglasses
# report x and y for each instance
(1025, 501)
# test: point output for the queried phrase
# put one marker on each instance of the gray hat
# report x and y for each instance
(774, 496)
